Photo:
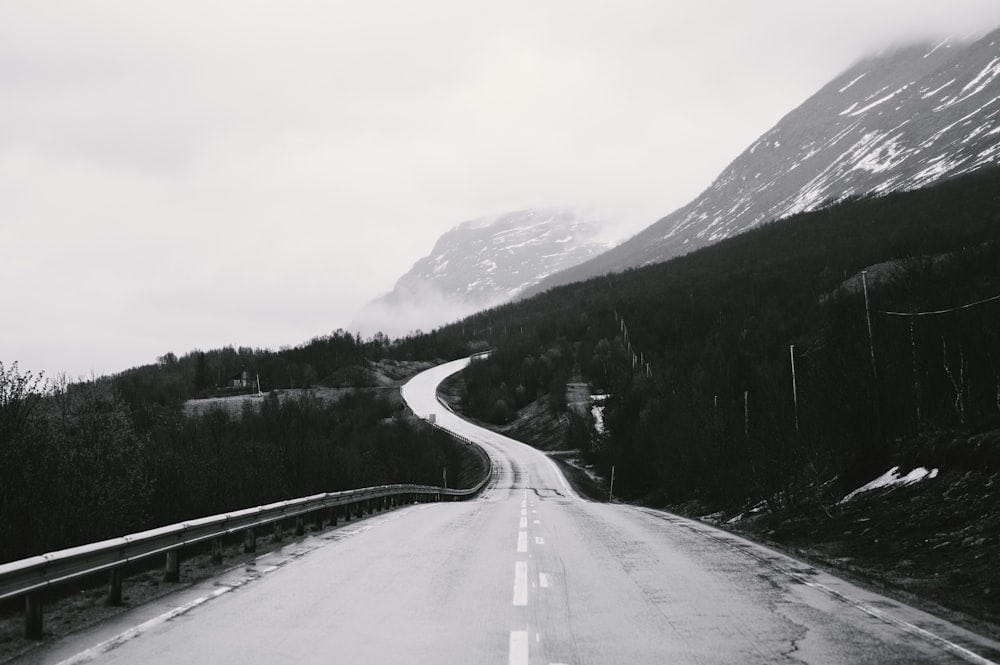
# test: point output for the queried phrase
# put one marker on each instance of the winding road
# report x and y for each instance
(529, 573)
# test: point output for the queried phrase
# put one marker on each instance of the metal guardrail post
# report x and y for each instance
(33, 616)
(172, 572)
(318, 519)
(114, 598)
(300, 527)
(249, 540)
(279, 534)
(216, 550)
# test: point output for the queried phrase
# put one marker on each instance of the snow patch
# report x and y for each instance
(975, 86)
(849, 109)
(937, 90)
(931, 52)
(884, 157)
(991, 71)
(935, 169)
(892, 478)
(878, 101)
(598, 413)
(853, 82)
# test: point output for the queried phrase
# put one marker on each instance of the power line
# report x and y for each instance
(943, 311)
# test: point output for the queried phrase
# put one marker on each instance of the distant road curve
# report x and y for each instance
(528, 574)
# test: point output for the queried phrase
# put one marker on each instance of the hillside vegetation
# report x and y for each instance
(84, 461)
(697, 353)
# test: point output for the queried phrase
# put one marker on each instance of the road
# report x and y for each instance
(527, 574)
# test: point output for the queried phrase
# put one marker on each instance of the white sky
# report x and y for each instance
(190, 174)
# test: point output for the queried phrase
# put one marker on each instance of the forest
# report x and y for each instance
(84, 461)
(790, 361)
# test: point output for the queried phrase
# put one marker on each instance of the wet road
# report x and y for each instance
(529, 573)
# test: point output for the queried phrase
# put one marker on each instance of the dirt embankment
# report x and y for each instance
(933, 543)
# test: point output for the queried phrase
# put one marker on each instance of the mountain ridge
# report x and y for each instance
(902, 119)
(484, 262)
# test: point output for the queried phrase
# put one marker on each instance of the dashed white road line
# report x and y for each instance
(518, 648)
(522, 541)
(544, 580)
(524, 523)
(520, 583)
(539, 540)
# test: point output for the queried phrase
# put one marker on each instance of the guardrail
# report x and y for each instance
(29, 577)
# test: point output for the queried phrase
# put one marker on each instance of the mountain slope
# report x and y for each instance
(481, 263)
(898, 121)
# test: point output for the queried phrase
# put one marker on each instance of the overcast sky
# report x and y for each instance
(182, 175)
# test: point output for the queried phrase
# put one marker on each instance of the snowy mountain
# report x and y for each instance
(897, 121)
(481, 263)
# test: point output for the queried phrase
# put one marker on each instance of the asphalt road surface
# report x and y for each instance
(527, 574)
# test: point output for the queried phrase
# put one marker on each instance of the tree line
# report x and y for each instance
(339, 359)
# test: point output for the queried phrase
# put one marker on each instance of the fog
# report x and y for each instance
(188, 175)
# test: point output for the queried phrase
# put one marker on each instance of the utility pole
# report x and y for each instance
(746, 414)
(868, 317)
(795, 393)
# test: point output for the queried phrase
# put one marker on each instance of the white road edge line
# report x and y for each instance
(128, 635)
(905, 626)
(562, 479)
(132, 633)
